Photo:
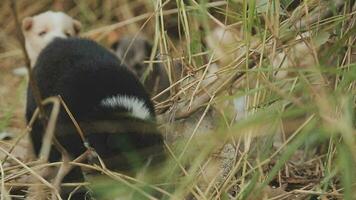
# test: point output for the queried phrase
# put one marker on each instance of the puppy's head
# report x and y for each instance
(133, 52)
(41, 29)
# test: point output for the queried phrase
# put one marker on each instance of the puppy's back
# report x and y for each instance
(84, 73)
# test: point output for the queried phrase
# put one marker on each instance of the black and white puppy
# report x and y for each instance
(108, 101)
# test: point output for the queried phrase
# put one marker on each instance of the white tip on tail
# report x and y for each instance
(134, 105)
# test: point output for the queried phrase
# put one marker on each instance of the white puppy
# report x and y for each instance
(41, 29)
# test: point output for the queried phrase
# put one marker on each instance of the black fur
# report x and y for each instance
(83, 73)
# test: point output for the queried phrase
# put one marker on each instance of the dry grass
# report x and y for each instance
(290, 66)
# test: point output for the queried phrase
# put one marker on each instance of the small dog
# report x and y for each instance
(41, 29)
(107, 100)
(133, 52)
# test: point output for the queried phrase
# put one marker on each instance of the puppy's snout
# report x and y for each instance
(62, 35)
(58, 35)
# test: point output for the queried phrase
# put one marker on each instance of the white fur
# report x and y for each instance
(54, 24)
(20, 71)
(240, 107)
(4, 135)
(134, 105)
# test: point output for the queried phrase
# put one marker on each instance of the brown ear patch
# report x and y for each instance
(77, 26)
(27, 24)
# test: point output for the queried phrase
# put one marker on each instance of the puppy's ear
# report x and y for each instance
(27, 24)
(77, 26)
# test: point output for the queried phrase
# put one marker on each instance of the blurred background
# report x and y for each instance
(261, 96)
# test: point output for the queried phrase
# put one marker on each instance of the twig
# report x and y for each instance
(33, 83)
(74, 191)
(4, 194)
(47, 139)
(28, 129)
(49, 134)
(219, 85)
(65, 169)
(75, 123)
(317, 193)
(40, 178)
